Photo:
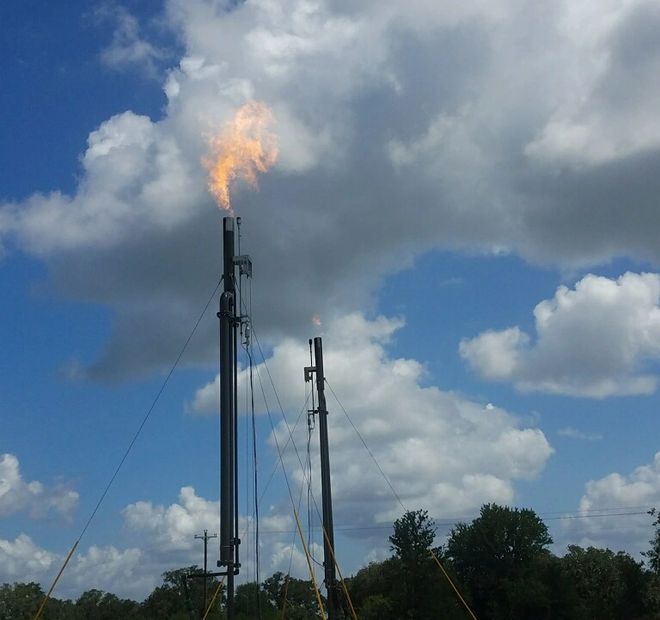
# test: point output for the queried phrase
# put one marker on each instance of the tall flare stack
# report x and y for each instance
(241, 150)
(229, 540)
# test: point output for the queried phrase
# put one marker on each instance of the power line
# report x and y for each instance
(559, 514)
(452, 522)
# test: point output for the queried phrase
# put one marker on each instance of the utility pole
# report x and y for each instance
(334, 608)
(205, 537)
(229, 320)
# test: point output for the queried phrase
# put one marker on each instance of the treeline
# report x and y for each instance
(499, 566)
(180, 597)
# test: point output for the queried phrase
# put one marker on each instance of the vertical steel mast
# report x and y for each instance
(334, 608)
(229, 540)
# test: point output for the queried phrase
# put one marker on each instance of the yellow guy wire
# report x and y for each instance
(286, 595)
(449, 579)
(146, 417)
(341, 577)
(309, 564)
(217, 591)
(398, 499)
(57, 578)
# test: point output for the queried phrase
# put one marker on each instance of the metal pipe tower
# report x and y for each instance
(229, 540)
(334, 607)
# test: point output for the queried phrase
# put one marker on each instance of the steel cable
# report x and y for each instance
(129, 448)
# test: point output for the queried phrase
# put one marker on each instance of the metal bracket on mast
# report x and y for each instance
(244, 264)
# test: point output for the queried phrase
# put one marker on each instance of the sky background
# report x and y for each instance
(465, 195)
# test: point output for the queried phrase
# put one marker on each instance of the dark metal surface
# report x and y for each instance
(334, 608)
(228, 470)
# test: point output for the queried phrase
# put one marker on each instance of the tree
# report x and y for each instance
(634, 600)
(376, 607)
(496, 557)
(413, 536)
(298, 594)
(423, 590)
(246, 603)
(558, 598)
(411, 542)
(609, 586)
(22, 600)
(180, 596)
(99, 605)
(653, 554)
(373, 589)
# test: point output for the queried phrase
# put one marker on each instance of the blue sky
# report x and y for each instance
(465, 196)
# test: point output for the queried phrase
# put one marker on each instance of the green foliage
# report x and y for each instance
(20, 600)
(608, 585)
(418, 590)
(413, 536)
(250, 599)
(653, 554)
(376, 607)
(496, 558)
(300, 597)
(98, 605)
(558, 599)
(373, 589)
(181, 596)
(500, 562)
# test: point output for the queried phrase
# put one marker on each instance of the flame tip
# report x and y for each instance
(240, 151)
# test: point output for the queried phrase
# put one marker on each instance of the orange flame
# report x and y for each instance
(243, 148)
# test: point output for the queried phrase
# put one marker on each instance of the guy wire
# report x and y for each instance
(130, 447)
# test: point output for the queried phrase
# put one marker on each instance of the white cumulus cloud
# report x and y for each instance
(629, 495)
(167, 535)
(128, 49)
(34, 498)
(597, 339)
(402, 127)
(125, 572)
(22, 560)
(609, 114)
(574, 433)
(174, 527)
(440, 450)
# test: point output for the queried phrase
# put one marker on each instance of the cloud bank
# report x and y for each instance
(441, 451)
(488, 127)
